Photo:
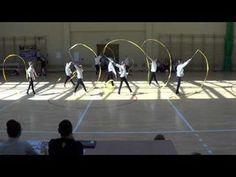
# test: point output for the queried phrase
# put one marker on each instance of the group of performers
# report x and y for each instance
(111, 72)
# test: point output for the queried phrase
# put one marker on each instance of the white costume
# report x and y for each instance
(67, 69)
(79, 72)
(180, 68)
(97, 60)
(154, 66)
(31, 72)
(122, 70)
(111, 68)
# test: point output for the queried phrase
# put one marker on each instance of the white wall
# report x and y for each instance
(189, 28)
(60, 36)
(53, 31)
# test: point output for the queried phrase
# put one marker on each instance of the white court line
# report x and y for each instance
(80, 118)
(180, 115)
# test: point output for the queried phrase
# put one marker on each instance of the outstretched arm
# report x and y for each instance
(186, 62)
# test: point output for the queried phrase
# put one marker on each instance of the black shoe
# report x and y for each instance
(27, 93)
(34, 93)
(177, 93)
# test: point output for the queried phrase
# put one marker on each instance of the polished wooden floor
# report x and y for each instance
(202, 122)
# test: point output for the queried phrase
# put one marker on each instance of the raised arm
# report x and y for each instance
(186, 62)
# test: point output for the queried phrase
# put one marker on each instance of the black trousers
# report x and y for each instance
(178, 85)
(97, 69)
(109, 77)
(67, 78)
(31, 84)
(121, 82)
(80, 81)
(153, 76)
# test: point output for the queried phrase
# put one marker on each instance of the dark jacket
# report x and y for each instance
(65, 146)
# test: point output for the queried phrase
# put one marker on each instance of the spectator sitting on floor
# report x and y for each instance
(13, 146)
(66, 145)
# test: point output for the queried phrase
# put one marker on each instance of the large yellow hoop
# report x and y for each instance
(206, 75)
(90, 49)
(4, 61)
(170, 60)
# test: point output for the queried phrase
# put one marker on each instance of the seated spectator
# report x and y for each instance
(159, 137)
(66, 145)
(13, 146)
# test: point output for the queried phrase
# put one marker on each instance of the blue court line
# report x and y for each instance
(82, 116)
(181, 116)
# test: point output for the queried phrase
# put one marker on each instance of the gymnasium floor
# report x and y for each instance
(204, 122)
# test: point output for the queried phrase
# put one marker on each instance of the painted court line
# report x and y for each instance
(81, 117)
(181, 116)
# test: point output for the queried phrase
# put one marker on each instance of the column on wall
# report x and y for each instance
(228, 50)
(149, 35)
(67, 42)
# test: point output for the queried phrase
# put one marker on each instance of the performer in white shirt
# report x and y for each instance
(180, 72)
(31, 74)
(68, 73)
(111, 71)
(97, 63)
(79, 71)
(153, 71)
(127, 64)
(123, 75)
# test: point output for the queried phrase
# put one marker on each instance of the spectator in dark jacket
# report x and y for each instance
(66, 145)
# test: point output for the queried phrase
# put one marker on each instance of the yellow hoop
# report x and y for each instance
(170, 60)
(89, 48)
(12, 55)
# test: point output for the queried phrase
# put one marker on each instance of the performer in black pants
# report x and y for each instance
(153, 71)
(68, 74)
(111, 71)
(180, 72)
(97, 63)
(79, 71)
(31, 77)
(123, 76)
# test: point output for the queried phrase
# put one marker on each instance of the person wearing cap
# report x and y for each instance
(31, 74)
(123, 76)
(180, 72)
(68, 73)
(79, 71)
